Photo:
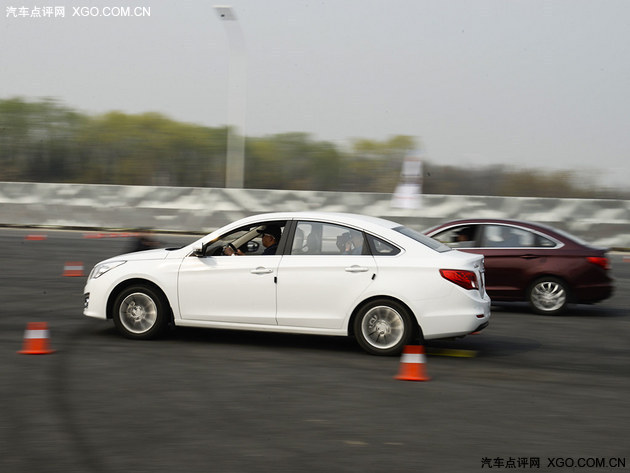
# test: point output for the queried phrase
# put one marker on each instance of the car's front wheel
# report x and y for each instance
(548, 296)
(383, 327)
(140, 312)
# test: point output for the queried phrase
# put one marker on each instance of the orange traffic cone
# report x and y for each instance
(35, 237)
(412, 364)
(73, 269)
(36, 339)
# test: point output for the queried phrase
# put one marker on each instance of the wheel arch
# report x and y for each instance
(135, 282)
(537, 277)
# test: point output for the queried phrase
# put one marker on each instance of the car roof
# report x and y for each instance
(505, 221)
(484, 220)
(363, 221)
(380, 227)
(556, 233)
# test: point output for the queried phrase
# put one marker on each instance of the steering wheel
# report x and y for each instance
(232, 247)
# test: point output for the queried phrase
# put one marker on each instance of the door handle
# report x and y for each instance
(261, 270)
(529, 256)
(357, 269)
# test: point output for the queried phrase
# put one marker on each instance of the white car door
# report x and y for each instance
(322, 279)
(235, 289)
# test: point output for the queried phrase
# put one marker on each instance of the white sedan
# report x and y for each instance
(321, 273)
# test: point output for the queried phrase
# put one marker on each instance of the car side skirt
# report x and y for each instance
(260, 328)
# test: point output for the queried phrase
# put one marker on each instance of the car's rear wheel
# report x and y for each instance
(548, 296)
(383, 327)
(140, 312)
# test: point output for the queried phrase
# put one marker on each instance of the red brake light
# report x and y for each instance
(465, 279)
(600, 261)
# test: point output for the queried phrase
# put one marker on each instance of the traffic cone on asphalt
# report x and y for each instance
(36, 339)
(412, 364)
(73, 269)
(35, 237)
(92, 235)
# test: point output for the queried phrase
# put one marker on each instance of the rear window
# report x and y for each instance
(381, 248)
(421, 238)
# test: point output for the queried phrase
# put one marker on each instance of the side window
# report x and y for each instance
(503, 236)
(315, 238)
(381, 248)
(463, 236)
(545, 242)
(215, 247)
(249, 240)
(307, 239)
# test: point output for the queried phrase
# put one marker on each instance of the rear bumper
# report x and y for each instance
(442, 322)
(592, 293)
(481, 327)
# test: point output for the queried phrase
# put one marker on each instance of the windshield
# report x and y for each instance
(425, 240)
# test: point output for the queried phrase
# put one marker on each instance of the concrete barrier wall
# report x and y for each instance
(199, 210)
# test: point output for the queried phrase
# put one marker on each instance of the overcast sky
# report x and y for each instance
(529, 83)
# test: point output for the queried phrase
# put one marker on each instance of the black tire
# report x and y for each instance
(548, 296)
(140, 312)
(384, 327)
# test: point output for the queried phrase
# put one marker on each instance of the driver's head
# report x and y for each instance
(271, 235)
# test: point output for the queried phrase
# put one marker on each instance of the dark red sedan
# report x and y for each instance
(532, 262)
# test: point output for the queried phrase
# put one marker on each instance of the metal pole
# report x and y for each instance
(237, 81)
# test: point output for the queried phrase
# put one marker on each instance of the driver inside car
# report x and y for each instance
(270, 239)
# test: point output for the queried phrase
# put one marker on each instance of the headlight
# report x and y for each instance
(102, 268)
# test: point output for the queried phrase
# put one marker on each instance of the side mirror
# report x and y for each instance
(252, 246)
(198, 252)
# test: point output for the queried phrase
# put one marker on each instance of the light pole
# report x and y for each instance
(237, 82)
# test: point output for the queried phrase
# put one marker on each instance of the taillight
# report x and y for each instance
(600, 261)
(465, 279)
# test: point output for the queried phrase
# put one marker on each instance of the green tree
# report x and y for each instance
(37, 140)
(151, 149)
(47, 142)
(291, 161)
(374, 166)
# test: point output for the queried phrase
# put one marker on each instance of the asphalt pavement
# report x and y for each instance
(529, 393)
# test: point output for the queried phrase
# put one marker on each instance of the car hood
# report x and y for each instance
(144, 255)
